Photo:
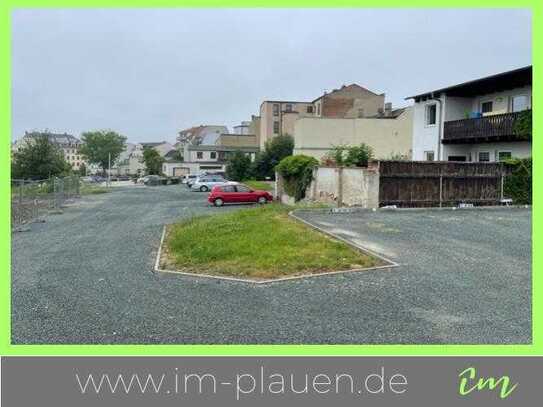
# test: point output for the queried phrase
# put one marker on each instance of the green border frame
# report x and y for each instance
(257, 350)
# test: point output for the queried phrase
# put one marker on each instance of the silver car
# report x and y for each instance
(205, 183)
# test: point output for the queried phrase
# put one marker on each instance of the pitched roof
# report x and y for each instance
(488, 84)
(153, 143)
(55, 138)
(344, 87)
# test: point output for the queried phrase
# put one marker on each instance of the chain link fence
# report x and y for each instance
(31, 200)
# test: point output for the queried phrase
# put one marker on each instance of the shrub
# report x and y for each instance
(523, 125)
(297, 172)
(358, 156)
(518, 184)
(275, 150)
(348, 156)
(238, 167)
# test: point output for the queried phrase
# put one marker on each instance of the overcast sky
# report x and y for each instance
(150, 73)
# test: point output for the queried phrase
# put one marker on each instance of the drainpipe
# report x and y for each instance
(440, 123)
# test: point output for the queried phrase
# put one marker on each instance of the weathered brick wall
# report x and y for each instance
(336, 107)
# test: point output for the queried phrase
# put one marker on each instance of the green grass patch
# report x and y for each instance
(258, 243)
(90, 189)
(260, 185)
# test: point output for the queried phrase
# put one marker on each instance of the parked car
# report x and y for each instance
(151, 180)
(237, 193)
(188, 179)
(204, 184)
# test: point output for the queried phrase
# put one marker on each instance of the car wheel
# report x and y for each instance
(262, 200)
(203, 188)
(218, 202)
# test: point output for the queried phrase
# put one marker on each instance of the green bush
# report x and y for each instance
(523, 125)
(275, 150)
(358, 156)
(297, 172)
(518, 184)
(238, 167)
(348, 156)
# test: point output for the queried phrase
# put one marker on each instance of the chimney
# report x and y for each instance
(388, 109)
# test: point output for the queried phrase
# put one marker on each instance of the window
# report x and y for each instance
(242, 188)
(484, 156)
(228, 188)
(276, 109)
(288, 107)
(519, 103)
(309, 109)
(504, 155)
(457, 158)
(276, 127)
(199, 155)
(429, 155)
(431, 111)
(486, 107)
(213, 155)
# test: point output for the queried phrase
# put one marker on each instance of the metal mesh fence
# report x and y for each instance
(31, 200)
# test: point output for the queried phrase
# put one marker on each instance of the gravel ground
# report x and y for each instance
(85, 277)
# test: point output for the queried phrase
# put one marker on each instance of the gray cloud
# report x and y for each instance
(149, 73)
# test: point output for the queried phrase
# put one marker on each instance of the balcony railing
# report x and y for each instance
(499, 127)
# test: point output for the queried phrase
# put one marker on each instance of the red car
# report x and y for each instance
(238, 193)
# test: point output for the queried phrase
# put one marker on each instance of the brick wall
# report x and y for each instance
(336, 107)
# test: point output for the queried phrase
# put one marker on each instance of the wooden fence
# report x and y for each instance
(427, 183)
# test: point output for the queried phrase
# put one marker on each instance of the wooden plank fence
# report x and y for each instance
(439, 183)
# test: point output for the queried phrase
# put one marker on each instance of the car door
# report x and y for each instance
(228, 193)
(244, 194)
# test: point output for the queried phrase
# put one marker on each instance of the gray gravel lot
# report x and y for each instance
(85, 277)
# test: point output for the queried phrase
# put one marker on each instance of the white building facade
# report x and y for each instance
(473, 121)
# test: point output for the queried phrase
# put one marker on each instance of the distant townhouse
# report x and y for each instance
(206, 148)
(68, 144)
(130, 161)
(163, 147)
(203, 134)
(349, 101)
(475, 120)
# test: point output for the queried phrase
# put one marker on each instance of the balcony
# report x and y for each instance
(499, 127)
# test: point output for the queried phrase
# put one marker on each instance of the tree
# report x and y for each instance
(39, 159)
(153, 161)
(522, 127)
(275, 150)
(102, 145)
(83, 170)
(238, 167)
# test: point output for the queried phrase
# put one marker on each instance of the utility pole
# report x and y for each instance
(109, 169)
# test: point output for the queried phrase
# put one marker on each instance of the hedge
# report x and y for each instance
(518, 183)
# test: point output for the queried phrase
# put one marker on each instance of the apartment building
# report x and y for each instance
(350, 101)
(277, 117)
(475, 120)
(388, 134)
(68, 144)
(203, 134)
